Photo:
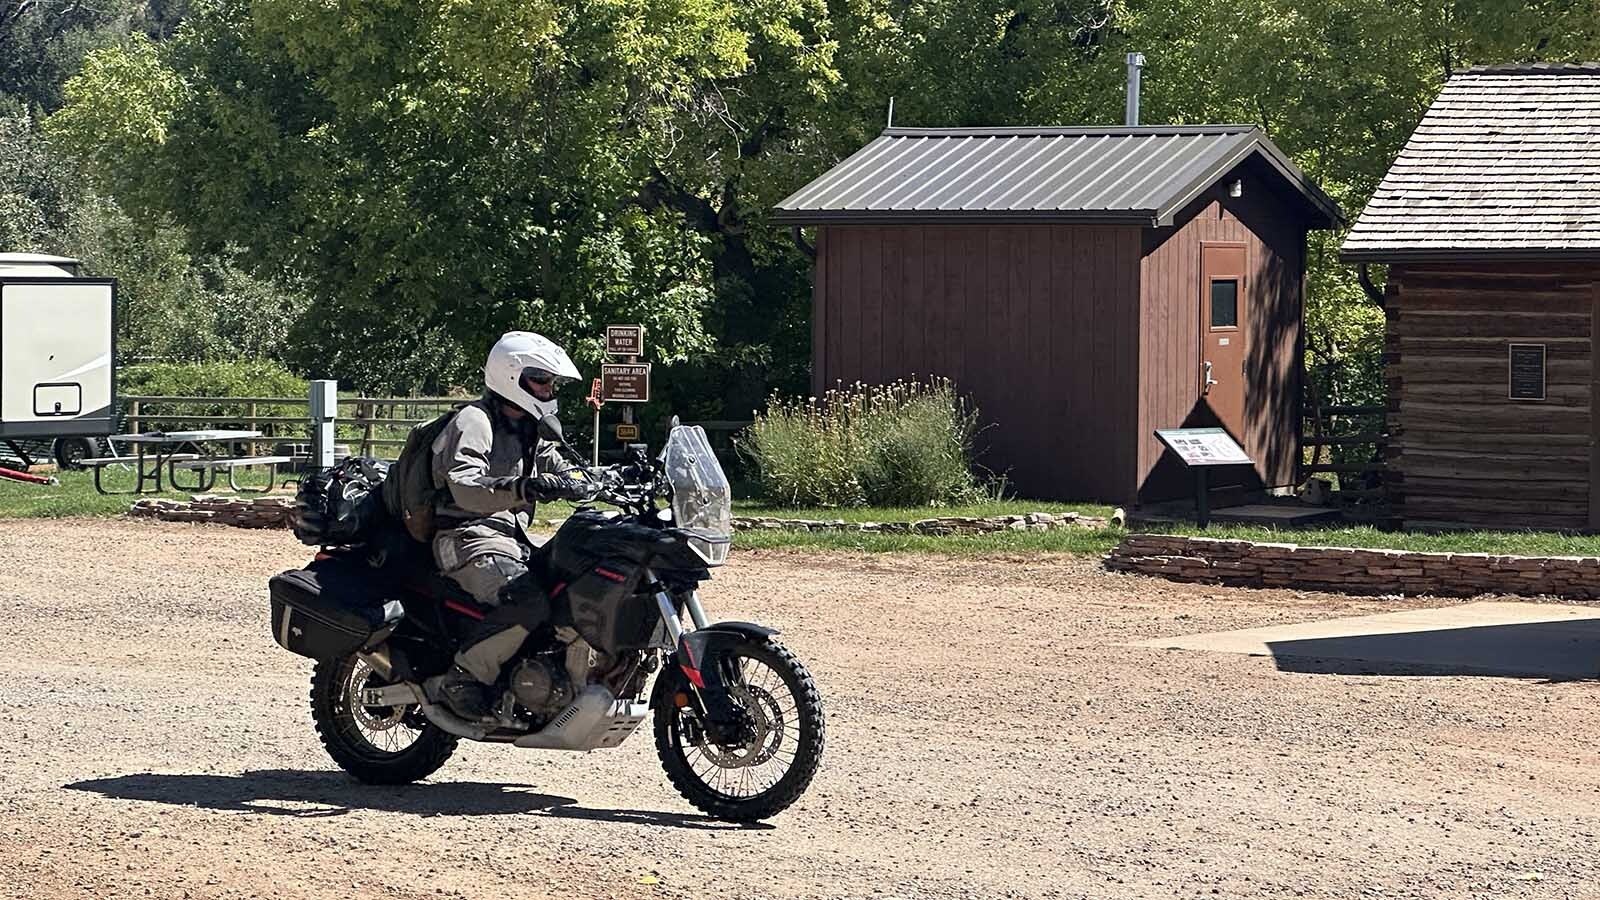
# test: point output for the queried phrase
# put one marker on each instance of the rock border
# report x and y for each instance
(240, 512)
(273, 512)
(939, 526)
(1354, 571)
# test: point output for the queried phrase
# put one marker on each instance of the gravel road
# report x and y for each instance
(988, 737)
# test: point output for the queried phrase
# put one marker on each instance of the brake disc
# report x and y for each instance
(373, 718)
(766, 722)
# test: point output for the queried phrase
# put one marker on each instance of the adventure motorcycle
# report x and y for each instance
(738, 721)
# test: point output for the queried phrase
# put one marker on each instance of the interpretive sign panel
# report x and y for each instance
(1204, 446)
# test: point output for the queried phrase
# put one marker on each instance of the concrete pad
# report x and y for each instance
(1280, 514)
(1516, 639)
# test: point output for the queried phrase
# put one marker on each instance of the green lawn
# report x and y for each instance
(76, 496)
(1076, 541)
(1509, 543)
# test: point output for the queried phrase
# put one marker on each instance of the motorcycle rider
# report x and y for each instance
(490, 469)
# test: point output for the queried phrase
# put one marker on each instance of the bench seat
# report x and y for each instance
(234, 462)
(208, 467)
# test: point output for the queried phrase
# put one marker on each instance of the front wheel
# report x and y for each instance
(378, 745)
(773, 767)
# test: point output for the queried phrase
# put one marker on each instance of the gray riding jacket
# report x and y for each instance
(477, 461)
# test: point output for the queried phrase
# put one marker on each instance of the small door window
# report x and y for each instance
(1225, 303)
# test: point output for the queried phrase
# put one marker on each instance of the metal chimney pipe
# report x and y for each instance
(1135, 63)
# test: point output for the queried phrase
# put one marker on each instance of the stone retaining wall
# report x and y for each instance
(1036, 521)
(273, 512)
(242, 512)
(1248, 564)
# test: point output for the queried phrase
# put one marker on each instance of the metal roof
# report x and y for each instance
(1141, 175)
(42, 259)
(1506, 163)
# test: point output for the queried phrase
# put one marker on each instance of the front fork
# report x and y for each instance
(707, 685)
(669, 610)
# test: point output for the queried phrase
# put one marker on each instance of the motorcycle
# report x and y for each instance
(737, 719)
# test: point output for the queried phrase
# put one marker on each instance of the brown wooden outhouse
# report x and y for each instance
(1490, 222)
(1086, 286)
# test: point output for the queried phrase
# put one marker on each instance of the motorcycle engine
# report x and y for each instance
(542, 689)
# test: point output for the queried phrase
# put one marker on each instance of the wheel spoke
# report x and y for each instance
(384, 734)
(745, 772)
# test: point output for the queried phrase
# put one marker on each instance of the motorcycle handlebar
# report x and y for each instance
(624, 486)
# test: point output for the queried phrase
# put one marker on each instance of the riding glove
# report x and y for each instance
(551, 486)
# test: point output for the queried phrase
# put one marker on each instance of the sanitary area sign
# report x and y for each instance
(1204, 446)
(625, 382)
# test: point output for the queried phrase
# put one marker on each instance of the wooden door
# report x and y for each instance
(1223, 335)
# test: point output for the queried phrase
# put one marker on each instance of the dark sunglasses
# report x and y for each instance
(538, 377)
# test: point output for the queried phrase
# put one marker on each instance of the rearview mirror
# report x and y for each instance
(550, 430)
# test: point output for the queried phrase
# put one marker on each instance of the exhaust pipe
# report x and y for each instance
(1135, 64)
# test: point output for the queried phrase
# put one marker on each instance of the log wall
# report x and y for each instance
(1461, 451)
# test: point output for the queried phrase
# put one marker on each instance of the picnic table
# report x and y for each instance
(166, 449)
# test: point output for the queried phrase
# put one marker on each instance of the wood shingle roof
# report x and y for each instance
(1506, 163)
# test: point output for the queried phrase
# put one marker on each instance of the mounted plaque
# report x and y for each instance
(1526, 371)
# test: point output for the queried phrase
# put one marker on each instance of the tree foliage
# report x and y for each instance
(434, 173)
(173, 303)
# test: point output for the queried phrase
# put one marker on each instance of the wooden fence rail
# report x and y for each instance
(367, 423)
(1354, 441)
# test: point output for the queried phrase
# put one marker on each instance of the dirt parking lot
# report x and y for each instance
(988, 737)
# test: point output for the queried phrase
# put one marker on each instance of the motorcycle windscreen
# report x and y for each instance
(702, 499)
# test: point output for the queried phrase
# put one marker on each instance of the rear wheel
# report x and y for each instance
(771, 769)
(376, 744)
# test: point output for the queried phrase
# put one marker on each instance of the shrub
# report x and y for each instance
(245, 378)
(903, 444)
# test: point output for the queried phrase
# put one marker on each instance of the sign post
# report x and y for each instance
(594, 400)
(1200, 449)
(627, 381)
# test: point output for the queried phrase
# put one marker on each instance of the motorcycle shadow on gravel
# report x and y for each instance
(313, 794)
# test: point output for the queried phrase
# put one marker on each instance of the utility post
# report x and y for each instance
(324, 404)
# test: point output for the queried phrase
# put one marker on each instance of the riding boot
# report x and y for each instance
(466, 696)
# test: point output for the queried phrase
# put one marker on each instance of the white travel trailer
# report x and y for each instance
(57, 350)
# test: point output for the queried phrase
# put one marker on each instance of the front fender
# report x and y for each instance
(698, 648)
(696, 664)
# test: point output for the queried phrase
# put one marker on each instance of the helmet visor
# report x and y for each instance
(541, 383)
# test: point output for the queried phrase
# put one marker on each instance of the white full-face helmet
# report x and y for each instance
(521, 362)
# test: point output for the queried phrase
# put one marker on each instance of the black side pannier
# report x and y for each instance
(328, 610)
(340, 506)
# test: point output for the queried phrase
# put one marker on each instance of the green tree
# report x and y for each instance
(454, 168)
